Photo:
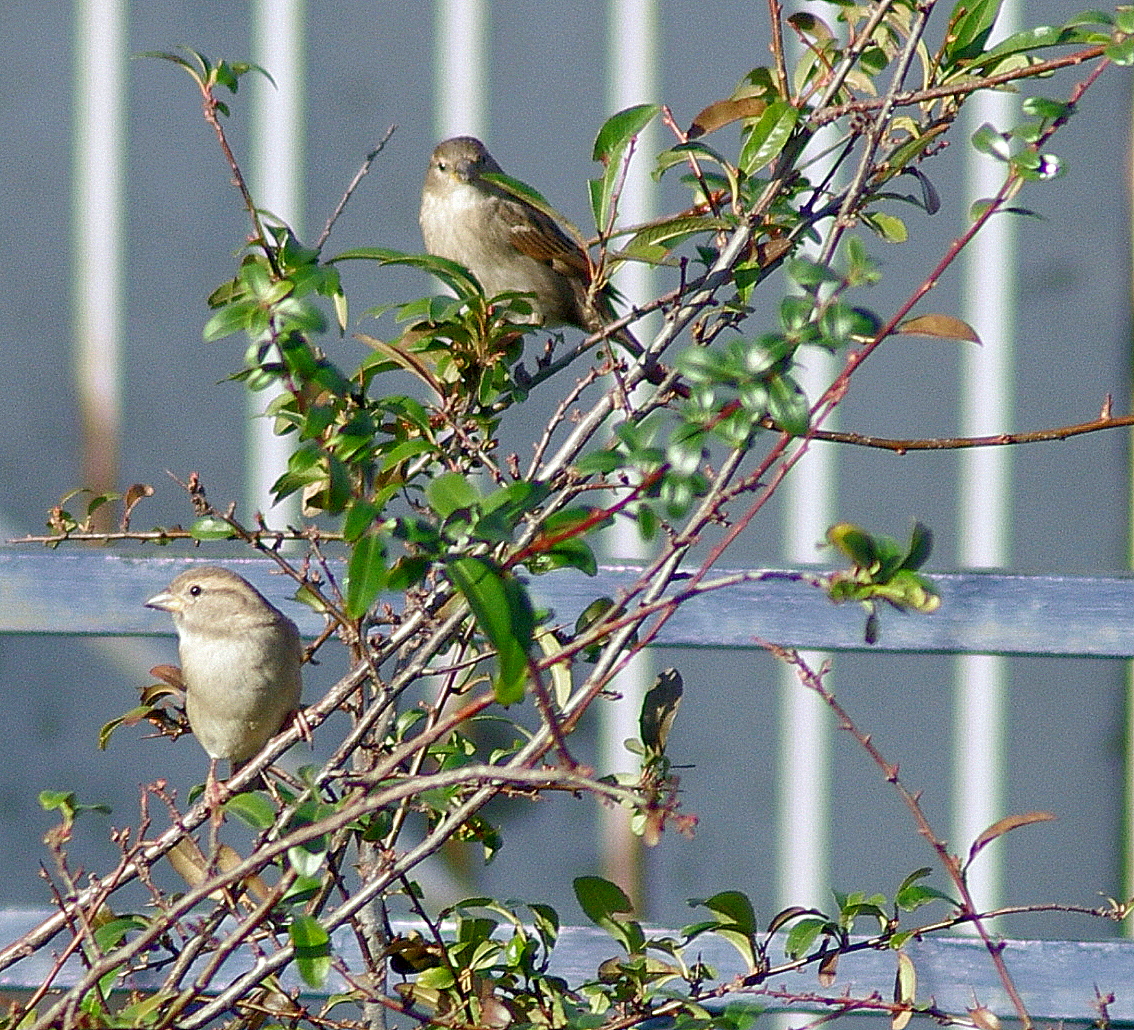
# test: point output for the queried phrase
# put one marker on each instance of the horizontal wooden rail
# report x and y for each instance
(100, 593)
(1056, 979)
(95, 592)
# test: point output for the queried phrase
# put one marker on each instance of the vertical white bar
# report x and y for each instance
(459, 61)
(100, 48)
(985, 493)
(632, 65)
(803, 775)
(277, 180)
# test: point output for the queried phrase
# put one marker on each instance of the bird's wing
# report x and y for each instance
(536, 231)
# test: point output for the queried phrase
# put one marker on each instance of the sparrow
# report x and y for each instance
(508, 244)
(240, 663)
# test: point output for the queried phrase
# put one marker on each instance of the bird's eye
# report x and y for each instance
(194, 590)
(442, 166)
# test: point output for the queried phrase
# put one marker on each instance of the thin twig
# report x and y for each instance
(950, 863)
(354, 183)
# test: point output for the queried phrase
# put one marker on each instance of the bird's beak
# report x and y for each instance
(165, 601)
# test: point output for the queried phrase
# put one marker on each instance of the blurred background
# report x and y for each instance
(120, 218)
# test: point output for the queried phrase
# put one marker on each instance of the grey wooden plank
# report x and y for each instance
(1056, 979)
(96, 592)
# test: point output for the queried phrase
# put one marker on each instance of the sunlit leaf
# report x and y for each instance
(451, 492)
(989, 140)
(312, 949)
(888, 227)
(767, 137)
(210, 527)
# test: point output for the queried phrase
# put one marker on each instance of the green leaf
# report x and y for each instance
(921, 544)
(209, 527)
(889, 227)
(913, 897)
(253, 808)
(611, 144)
(1045, 108)
(742, 942)
(570, 549)
(308, 857)
(312, 949)
(600, 899)
(767, 137)
(787, 405)
(702, 152)
(969, 27)
(504, 614)
(858, 545)
(360, 516)
(652, 243)
(232, 318)
(131, 718)
(801, 936)
(458, 278)
(1122, 52)
(620, 129)
(735, 907)
(786, 915)
(110, 935)
(366, 574)
(988, 140)
(66, 802)
(451, 492)
(568, 553)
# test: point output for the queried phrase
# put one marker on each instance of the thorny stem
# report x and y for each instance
(814, 681)
(209, 104)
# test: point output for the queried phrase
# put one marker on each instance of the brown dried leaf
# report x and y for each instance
(828, 966)
(192, 866)
(984, 1018)
(170, 674)
(1003, 826)
(905, 990)
(771, 250)
(723, 112)
(136, 493)
(944, 326)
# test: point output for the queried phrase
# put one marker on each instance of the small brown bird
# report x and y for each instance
(240, 662)
(508, 244)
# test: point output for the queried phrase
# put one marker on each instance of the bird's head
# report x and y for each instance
(462, 159)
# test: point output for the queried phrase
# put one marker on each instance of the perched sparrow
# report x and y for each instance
(240, 661)
(508, 244)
